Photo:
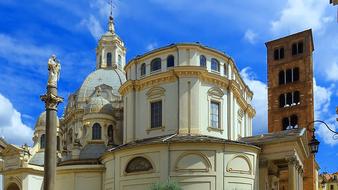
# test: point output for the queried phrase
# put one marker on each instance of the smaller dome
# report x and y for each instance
(41, 122)
(98, 104)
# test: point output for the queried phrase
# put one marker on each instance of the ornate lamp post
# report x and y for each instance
(314, 143)
(51, 100)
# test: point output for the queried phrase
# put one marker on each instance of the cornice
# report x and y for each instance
(203, 49)
(188, 71)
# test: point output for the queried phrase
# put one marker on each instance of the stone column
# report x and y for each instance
(300, 173)
(51, 100)
(292, 185)
(263, 174)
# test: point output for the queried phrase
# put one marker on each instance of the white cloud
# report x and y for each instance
(332, 71)
(259, 102)
(250, 36)
(300, 15)
(11, 126)
(151, 46)
(322, 99)
(93, 25)
(22, 52)
(326, 135)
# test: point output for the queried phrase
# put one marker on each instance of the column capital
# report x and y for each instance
(51, 100)
(292, 160)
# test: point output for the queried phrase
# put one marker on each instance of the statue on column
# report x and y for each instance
(54, 68)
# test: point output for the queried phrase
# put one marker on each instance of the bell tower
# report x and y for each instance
(110, 51)
(290, 89)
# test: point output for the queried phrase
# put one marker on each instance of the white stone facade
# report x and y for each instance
(181, 112)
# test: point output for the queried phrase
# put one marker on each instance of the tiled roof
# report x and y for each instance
(37, 159)
(92, 151)
(178, 139)
(280, 136)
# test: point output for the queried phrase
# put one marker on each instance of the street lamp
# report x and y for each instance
(314, 143)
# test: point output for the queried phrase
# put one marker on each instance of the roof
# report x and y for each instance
(309, 31)
(190, 44)
(280, 136)
(111, 77)
(37, 159)
(175, 138)
(92, 151)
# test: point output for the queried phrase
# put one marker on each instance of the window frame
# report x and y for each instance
(216, 104)
(143, 70)
(109, 59)
(203, 61)
(96, 128)
(160, 122)
(216, 94)
(213, 62)
(170, 58)
(158, 62)
(278, 53)
(43, 141)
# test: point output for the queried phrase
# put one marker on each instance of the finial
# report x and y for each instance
(111, 27)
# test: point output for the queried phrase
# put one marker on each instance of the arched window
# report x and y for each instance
(296, 74)
(119, 60)
(225, 69)
(281, 77)
(58, 145)
(110, 133)
(281, 100)
(288, 75)
(294, 49)
(143, 69)
(294, 121)
(296, 98)
(289, 99)
(43, 141)
(203, 61)
(138, 164)
(96, 131)
(155, 64)
(214, 64)
(13, 186)
(170, 61)
(109, 60)
(285, 123)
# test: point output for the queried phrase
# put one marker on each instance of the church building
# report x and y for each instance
(182, 113)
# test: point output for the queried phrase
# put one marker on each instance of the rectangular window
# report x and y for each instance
(156, 114)
(288, 76)
(297, 48)
(278, 53)
(214, 114)
(294, 49)
(300, 47)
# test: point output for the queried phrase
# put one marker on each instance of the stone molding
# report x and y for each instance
(188, 71)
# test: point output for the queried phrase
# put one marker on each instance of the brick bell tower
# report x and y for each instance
(290, 89)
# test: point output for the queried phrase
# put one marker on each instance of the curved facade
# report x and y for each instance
(190, 91)
(181, 113)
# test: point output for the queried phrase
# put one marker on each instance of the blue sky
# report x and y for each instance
(30, 31)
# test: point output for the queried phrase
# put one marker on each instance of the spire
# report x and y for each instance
(111, 27)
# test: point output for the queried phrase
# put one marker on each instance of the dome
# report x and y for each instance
(111, 77)
(98, 104)
(41, 122)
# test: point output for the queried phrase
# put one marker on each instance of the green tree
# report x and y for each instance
(169, 185)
